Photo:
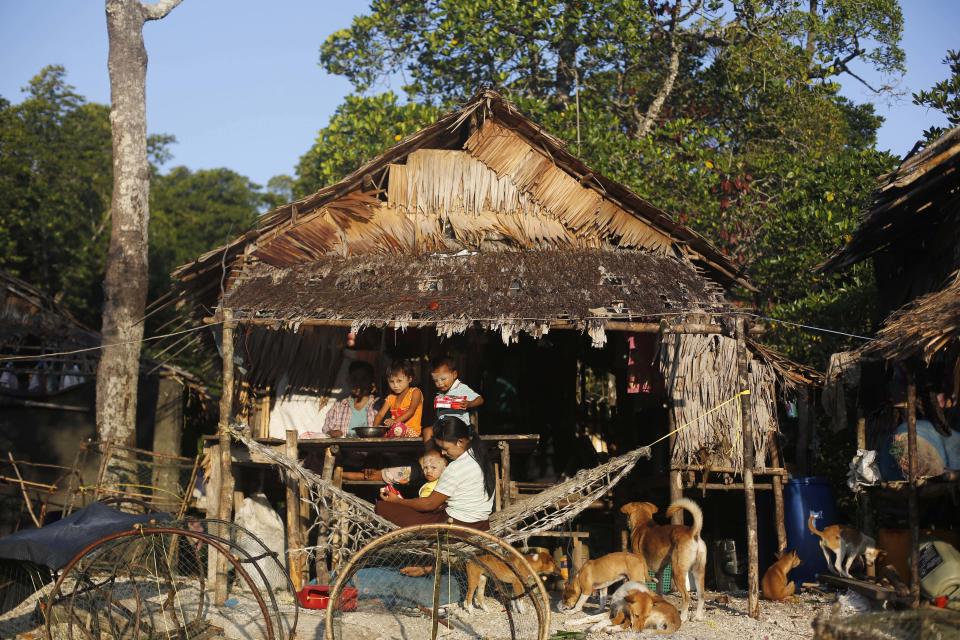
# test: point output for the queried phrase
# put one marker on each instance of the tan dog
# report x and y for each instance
(677, 545)
(481, 567)
(634, 608)
(600, 574)
(774, 583)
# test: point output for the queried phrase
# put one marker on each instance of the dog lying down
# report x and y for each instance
(634, 608)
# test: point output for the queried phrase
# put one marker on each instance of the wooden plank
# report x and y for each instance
(750, 500)
(869, 589)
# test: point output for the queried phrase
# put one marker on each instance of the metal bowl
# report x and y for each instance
(371, 432)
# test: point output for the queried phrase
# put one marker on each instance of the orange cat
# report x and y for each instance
(846, 543)
(774, 583)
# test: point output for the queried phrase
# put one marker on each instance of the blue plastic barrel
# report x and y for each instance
(802, 496)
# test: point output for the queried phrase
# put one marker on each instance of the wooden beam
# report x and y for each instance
(913, 508)
(225, 501)
(776, 459)
(750, 499)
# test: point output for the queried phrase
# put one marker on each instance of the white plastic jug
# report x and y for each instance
(939, 568)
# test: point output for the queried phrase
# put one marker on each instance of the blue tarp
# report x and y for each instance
(55, 544)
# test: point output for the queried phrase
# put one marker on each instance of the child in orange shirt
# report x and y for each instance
(405, 404)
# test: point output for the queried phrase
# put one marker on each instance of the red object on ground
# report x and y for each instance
(317, 596)
(941, 601)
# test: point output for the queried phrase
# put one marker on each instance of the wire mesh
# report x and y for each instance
(153, 583)
(164, 481)
(432, 580)
(929, 624)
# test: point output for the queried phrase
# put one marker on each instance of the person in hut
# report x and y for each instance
(358, 409)
(464, 493)
(403, 409)
(454, 398)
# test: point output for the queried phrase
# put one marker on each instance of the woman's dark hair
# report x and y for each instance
(450, 428)
(361, 376)
(401, 366)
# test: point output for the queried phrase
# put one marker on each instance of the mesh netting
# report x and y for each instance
(345, 523)
(929, 624)
(421, 582)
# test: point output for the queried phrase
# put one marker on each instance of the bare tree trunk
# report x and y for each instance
(656, 106)
(125, 285)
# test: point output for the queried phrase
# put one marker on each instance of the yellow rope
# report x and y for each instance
(745, 392)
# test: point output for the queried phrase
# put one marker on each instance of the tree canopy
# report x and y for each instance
(727, 114)
(55, 181)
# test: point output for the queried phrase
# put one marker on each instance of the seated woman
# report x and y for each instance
(358, 409)
(464, 493)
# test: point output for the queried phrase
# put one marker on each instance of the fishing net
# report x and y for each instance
(929, 624)
(422, 582)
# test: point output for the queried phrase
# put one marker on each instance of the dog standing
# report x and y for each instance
(677, 545)
(634, 608)
(600, 573)
(479, 568)
(846, 543)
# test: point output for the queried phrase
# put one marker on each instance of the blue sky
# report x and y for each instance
(237, 81)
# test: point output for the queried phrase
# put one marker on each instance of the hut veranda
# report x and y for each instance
(582, 313)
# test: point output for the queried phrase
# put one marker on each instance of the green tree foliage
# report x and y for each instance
(725, 113)
(55, 181)
(361, 128)
(943, 96)
(55, 184)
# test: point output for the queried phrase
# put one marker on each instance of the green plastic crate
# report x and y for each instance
(652, 585)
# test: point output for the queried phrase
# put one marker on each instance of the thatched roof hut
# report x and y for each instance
(481, 179)
(911, 229)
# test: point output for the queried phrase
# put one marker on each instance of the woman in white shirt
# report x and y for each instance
(464, 493)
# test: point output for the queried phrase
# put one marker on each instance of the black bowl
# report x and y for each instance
(370, 432)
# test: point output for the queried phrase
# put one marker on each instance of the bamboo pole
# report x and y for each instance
(676, 482)
(225, 502)
(776, 459)
(913, 506)
(750, 499)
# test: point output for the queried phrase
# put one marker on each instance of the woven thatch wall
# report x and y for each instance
(700, 373)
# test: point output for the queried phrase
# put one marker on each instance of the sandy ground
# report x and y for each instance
(725, 619)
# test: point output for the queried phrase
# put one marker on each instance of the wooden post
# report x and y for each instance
(803, 431)
(676, 482)
(167, 431)
(295, 557)
(776, 460)
(212, 504)
(750, 500)
(505, 470)
(866, 509)
(225, 499)
(913, 506)
(325, 526)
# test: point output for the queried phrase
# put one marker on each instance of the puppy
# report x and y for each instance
(600, 574)
(634, 608)
(774, 583)
(479, 568)
(846, 543)
(677, 545)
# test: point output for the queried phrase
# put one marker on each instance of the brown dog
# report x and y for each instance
(634, 608)
(600, 574)
(774, 583)
(486, 565)
(677, 545)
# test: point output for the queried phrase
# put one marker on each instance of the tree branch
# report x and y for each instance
(160, 10)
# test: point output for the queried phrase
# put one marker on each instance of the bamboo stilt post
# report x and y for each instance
(505, 470)
(676, 481)
(750, 499)
(913, 506)
(295, 558)
(865, 506)
(803, 431)
(776, 460)
(225, 501)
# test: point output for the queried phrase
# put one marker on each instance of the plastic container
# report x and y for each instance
(801, 496)
(317, 596)
(939, 569)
